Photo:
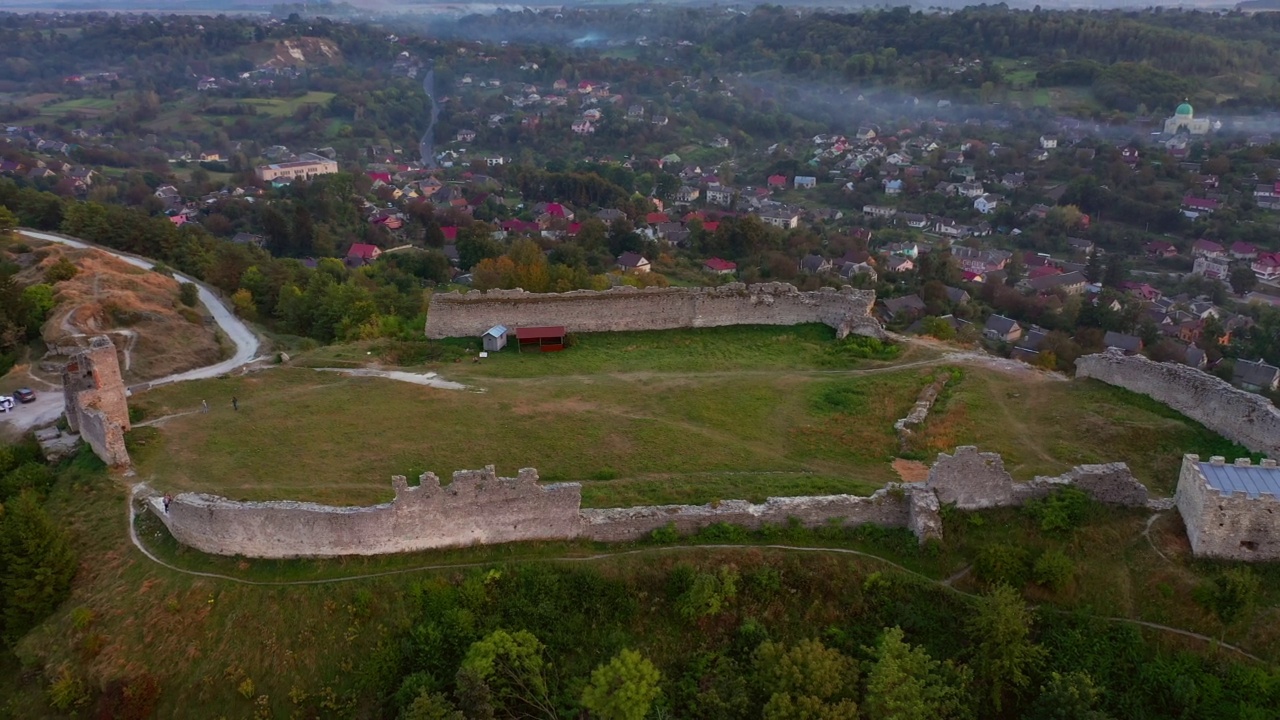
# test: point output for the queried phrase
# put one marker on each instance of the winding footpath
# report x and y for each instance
(142, 488)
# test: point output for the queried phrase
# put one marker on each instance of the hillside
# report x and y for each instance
(139, 309)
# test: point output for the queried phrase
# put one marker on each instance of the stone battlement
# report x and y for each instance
(1240, 416)
(480, 508)
(94, 400)
(626, 308)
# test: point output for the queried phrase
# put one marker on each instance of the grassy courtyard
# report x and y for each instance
(783, 412)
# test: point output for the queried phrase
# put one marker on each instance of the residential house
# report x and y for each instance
(1160, 249)
(688, 193)
(659, 120)
(906, 249)
(987, 204)
(1211, 267)
(608, 215)
(1256, 376)
(814, 264)
(1080, 245)
(970, 189)
(880, 211)
(849, 269)
(718, 266)
(781, 217)
(957, 296)
(1208, 249)
(1003, 329)
(777, 182)
(1242, 251)
(892, 187)
(1013, 180)
(1129, 155)
(1130, 344)
(633, 262)
(1072, 283)
(1267, 266)
(720, 195)
(1048, 142)
(915, 220)
(249, 239)
(804, 182)
(952, 157)
(1194, 207)
(906, 307)
(583, 127)
(362, 254)
(1027, 348)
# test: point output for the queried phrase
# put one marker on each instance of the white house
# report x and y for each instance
(805, 181)
(583, 127)
(1048, 142)
(987, 204)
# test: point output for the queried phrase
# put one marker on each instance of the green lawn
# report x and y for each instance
(283, 107)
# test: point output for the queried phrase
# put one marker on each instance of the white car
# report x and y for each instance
(6, 403)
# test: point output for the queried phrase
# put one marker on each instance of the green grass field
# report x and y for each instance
(283, 107)
(81, 106)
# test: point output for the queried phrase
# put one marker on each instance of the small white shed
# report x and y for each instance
(495, 338)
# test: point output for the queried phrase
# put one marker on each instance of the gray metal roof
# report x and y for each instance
(496, 331)
(1253, 480)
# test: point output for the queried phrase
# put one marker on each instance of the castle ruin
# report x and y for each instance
(94, 398)
(1231, 510)
(626, 308)
(480, 508)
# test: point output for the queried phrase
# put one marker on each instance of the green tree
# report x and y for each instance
(513, 668)
(1093, 269)
(708, 594)
(904, 683)
(8, 221)
(1070, 696)
(1230, 594)
(807, 680)
(37, 564)
(62, 269)
(622, 689)
(431, 706)
(1004, 657)
(1242, 280)
(39, 301)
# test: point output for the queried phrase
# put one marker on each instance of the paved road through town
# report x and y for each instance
(48, 403)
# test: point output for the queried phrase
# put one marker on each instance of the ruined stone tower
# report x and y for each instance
(94, 394)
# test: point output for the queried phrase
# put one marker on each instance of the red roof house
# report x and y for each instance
(719, 266)
(654, 218)
(363, 251)
(450, 233)
(777, 181)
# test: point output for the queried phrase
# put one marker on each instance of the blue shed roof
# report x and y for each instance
(496, 331)
(1253, 480)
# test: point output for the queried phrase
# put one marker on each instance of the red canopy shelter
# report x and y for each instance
(544, 339)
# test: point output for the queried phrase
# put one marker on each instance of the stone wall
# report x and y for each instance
(1229, 526)
(887, 507)
(477, 508)
(626, 308)
(94, 399)
(1240, 416)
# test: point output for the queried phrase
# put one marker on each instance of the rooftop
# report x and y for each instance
(1242, 476)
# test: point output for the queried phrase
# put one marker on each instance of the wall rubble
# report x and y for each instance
(479, 507)
(1240, 416)
(626, 308)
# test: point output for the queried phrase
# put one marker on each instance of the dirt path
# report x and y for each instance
(131, 516)
(429, 379)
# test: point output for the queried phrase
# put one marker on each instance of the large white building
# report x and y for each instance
(1184, 120)
(307, 165)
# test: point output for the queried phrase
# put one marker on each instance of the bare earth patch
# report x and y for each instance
(911, 470)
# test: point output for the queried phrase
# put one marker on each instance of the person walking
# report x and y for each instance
(167, 499)
(204, 406)
(235, 404)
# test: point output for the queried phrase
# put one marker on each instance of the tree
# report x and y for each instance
(188, 294)
(512, 666)
(905, 683)
(37, 564)
(431, 706)
(242, 302)
(1230, 594)
(1015, 269)
(1070, 696)
(622, 689)
(1093, 267)
(1004, 657)
(1242, 280)
(8, 221)
(807, 680)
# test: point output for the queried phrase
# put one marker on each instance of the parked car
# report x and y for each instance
(25, 395)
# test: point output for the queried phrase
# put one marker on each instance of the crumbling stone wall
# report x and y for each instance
(481, 508)
(94, 400)
(477, 508)
(1231, 526)
(626, 308)
(1240, 416)
(886, 507)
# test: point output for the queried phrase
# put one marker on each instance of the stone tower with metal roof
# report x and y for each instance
(1231, 510)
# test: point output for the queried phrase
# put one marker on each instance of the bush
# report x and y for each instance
(1002, 563)
(708, 594)
(61, 270)
(188, 294)
(1053, 569)
(1061, 511)
(666, 534)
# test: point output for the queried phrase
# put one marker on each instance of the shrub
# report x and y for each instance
(666, 534)
(1002, 563)
(1061, 511)
(708, 594)
(188, 294)
(61, 270)
(1053, 569)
